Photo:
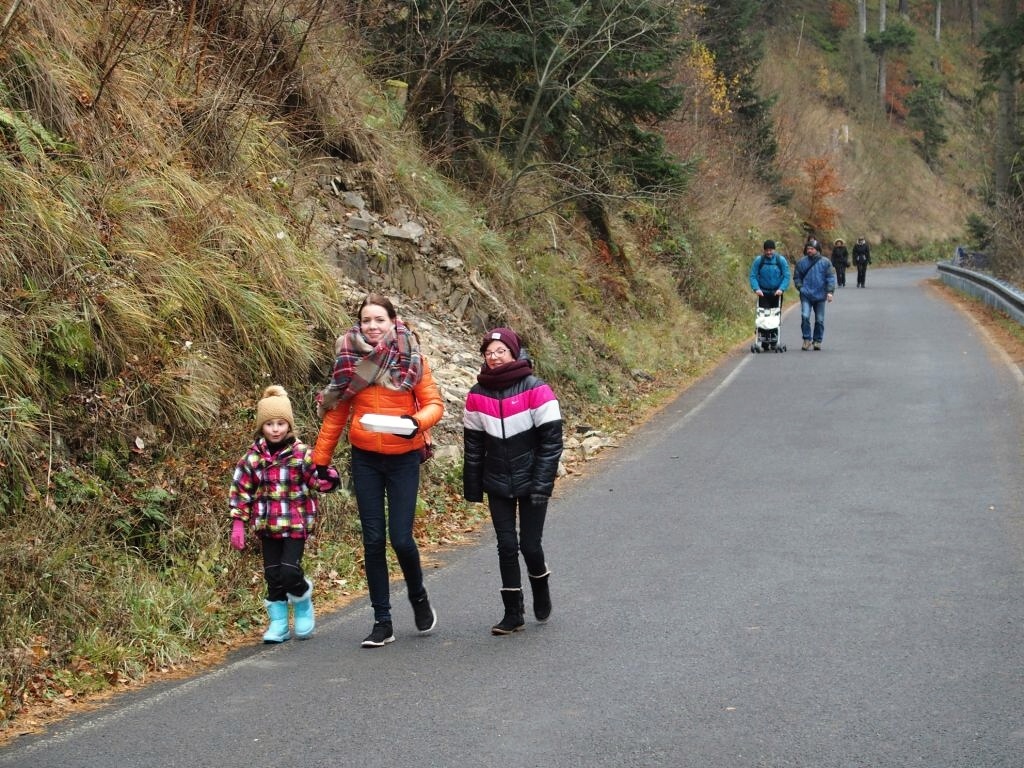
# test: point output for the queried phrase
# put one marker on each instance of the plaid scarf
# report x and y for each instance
(395, 363)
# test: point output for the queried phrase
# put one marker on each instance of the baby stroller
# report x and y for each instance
(767, 325)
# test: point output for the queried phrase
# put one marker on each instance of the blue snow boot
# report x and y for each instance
(303, 606)
(277, 632)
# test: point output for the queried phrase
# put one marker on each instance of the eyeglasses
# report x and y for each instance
(495, 352)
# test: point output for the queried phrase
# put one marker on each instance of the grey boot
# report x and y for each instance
(541, 596)
(513, 620)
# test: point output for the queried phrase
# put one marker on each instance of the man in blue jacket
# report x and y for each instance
(815, 278)
(769, 276)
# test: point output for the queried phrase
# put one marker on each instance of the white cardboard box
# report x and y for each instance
(395, 425)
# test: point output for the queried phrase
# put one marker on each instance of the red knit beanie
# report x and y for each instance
(506, 336)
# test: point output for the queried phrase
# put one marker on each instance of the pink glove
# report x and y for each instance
(327, 479)
(238, 534)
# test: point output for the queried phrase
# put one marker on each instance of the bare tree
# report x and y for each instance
(881, 56)
(441, 40)
(862, 17)
(938, 21)
(557, 78)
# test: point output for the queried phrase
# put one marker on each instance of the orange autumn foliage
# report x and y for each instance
(823, 186)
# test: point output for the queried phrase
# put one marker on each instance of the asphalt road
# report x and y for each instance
(810, 559)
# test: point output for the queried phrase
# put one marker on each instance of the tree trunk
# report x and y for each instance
(862, 16)
(975, 20)
(881, 56)
(938, 21)
(881, 79)
(902, 8)
(1006, 115)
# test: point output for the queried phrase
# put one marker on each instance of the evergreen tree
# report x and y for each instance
(730, 30)
(569, 89)
(926, 115)
(1002, 69)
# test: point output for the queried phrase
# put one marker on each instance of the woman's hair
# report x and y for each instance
(377, 300)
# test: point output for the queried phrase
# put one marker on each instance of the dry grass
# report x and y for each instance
(152, 277)
(890, 193)
(160, 266)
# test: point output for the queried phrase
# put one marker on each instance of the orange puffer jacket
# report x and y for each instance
(378, 399)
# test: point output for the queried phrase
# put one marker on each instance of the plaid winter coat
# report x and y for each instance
(274, 492)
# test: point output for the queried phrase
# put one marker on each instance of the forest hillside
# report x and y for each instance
(196, 194)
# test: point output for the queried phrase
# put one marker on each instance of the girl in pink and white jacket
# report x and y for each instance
(512, 429)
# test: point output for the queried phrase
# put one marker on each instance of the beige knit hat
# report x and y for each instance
(274, 405)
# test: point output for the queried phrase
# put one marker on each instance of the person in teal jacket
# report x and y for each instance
(769, 276)
(815, 278)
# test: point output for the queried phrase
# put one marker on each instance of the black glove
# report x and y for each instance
(415, 432)
(323, 471)
(538, 500)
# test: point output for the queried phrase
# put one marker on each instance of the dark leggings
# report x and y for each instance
(282, 568)
(531, 530)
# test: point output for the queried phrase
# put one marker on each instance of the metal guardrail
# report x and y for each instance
(995, 293)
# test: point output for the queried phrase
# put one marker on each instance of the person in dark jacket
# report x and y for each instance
(815, 278)
(512, 429)
(861, 259)
(840, 260)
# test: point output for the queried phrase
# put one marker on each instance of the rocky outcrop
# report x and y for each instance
(398, 255)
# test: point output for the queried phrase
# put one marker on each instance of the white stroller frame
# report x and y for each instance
(768, 327)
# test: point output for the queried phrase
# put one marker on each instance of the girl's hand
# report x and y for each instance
(327, 479)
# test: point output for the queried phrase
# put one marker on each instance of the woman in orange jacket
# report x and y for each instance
(379, 370)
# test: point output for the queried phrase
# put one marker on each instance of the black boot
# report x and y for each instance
(541, 596)
(513, 620)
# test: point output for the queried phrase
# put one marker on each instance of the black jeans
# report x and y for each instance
(531, 531)
(282, 568)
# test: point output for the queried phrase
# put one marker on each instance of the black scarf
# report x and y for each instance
(503, 376)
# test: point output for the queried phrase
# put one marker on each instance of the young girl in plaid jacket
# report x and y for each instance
(274, 492)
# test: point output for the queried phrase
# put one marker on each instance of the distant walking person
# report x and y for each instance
(861, 259)
(274, 492)
(840, 259)
(379, 370)
(769, 276)
(513, 443)
(815, 278)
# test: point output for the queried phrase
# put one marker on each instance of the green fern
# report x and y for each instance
(33, 141)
